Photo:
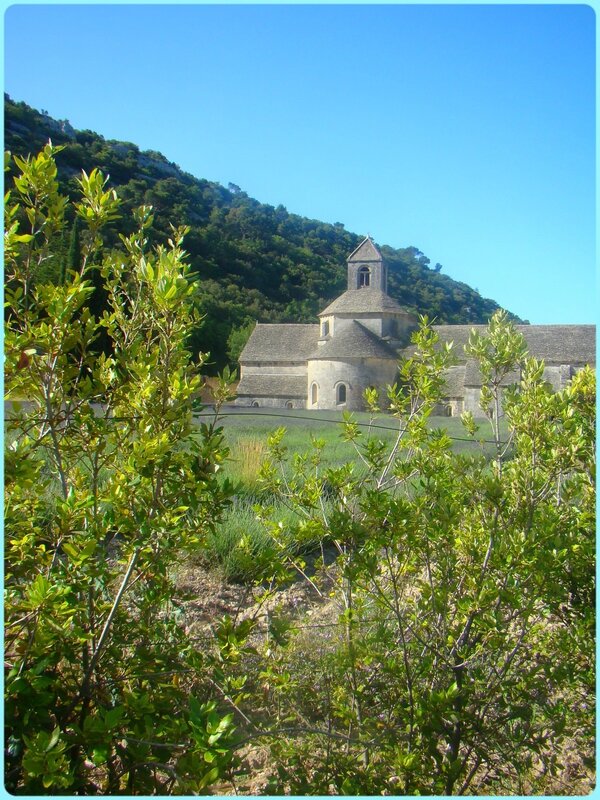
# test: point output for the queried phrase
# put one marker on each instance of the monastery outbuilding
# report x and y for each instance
(358, 342)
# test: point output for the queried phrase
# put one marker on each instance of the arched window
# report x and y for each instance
(289, 404)
(255, 404)
(324, 329)
(314, 394)
(341, 394)
(364, 277)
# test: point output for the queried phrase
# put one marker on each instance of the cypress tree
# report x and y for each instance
(73, 260)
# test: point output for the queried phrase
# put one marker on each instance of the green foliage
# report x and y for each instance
(453, 646)
(240, 546)
(256, 262)
(462, 656)
(108, 485)
(237, 341)
(73, 260)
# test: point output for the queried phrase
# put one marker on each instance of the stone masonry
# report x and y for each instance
(359, 339)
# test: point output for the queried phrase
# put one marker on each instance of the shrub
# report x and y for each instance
(105, 487)
(463, 655)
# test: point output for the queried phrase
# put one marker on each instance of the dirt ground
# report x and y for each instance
(211, 598)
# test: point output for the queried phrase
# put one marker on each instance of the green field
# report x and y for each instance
(240, 543)
(240, 423)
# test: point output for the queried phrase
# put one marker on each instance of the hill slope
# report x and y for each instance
(254, 261)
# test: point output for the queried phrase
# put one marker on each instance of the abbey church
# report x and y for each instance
(359, 340)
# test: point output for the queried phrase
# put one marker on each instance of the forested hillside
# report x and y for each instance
(254, 262)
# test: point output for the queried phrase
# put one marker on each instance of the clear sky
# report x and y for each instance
(464, 130)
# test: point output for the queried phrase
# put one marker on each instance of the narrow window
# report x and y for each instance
(341, 393)
(325, 329)
(313, 394)
(364, 277)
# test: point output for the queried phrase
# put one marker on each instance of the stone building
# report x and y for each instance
(359, 339)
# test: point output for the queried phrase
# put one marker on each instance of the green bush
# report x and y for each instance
(108, 482)
(461, 658)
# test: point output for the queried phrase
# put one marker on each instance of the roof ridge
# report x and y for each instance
(286, 324)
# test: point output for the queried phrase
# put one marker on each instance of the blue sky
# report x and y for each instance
(466, 131)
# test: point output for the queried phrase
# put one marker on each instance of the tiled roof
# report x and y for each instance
(556, 344)
(280, 343)
(272, 386)
(473, 375)
(360, 301)
(353, 341)
(454, 378)
(561, 344)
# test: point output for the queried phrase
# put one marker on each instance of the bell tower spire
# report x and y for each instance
(366, 269)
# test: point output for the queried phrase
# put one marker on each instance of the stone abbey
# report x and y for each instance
(359, 340)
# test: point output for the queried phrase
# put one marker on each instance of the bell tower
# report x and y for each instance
(366, 269)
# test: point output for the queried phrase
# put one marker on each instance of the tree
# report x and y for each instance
(463, 654)
(74, 255)
(108, 484)
(237, 341)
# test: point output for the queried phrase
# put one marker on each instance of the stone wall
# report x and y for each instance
(377, 274)
(271, 402)
(356, 374)
(558, 376)
(273, 385)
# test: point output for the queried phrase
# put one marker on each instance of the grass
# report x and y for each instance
(241, 546)
(247, 426)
